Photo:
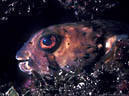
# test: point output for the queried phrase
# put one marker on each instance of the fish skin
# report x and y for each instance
(80, 44)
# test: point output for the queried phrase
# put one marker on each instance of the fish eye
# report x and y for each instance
(48, 42)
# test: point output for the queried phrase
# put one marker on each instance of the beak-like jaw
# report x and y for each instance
(32, 59)
(24, 66)
(24, 63)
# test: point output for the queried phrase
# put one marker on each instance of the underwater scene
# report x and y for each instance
(64, 48)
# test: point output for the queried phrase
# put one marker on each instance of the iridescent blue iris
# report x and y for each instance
(47, 41)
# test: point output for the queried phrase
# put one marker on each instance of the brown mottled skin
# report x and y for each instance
(80, 44)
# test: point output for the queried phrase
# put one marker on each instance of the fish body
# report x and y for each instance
(69, 45)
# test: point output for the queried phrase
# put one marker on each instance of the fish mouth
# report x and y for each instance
(24, 66)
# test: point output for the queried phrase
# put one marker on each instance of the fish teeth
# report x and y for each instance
(24, 66)
(19, 58)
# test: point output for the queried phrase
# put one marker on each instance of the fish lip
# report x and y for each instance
(24, 66)
(21, 58)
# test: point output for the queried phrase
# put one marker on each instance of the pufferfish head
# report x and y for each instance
(61, 46)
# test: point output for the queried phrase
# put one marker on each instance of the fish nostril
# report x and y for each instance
(27, 54)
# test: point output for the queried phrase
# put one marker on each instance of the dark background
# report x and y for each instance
(17, 30)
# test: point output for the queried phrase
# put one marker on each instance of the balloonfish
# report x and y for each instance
(71, 45)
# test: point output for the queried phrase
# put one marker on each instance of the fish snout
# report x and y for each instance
(23, 56)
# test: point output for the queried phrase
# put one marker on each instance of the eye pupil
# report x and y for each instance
(47, 41)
